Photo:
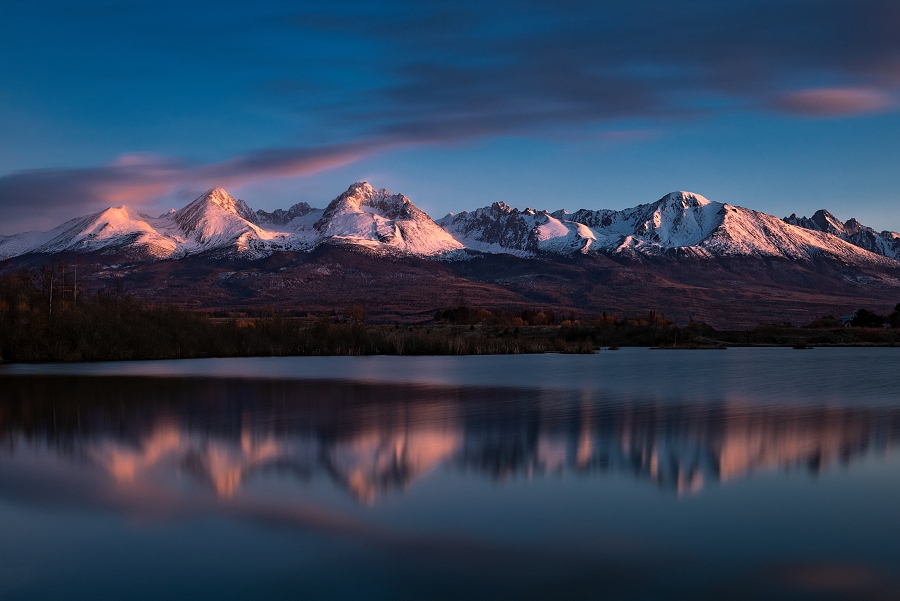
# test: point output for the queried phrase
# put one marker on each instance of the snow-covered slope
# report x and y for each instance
(884, 243)
(375, 218)
(679, 224)
(689, 224)
(216, 221)
(114, 229)
(679, 219)
(500, 228)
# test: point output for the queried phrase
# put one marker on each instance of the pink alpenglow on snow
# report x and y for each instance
(681, 224)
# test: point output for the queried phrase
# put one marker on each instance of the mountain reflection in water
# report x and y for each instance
(162, 438)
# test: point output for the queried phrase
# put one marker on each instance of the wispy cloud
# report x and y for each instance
(835, 102)
(45, 197)
(468, 69)
(364, 78)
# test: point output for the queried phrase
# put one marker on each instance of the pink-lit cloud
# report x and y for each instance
(835, 102)
(454, 72)
(44, 198)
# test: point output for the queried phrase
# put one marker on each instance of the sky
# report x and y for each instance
(782, 106)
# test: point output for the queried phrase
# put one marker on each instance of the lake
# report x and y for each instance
(628, 474)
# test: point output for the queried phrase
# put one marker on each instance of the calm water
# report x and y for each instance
(634, 474)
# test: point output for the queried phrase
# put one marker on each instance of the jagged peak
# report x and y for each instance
(361, 185)
(684, 199)
(822, 221)
(679, 219)
(281, 217)
(360, 192)
(223, 200)
(852, 231)
(853, 226)
(497, 210)
(362, 196)
(825, 213)
(220, 197)
(208, 205)
(827, 221)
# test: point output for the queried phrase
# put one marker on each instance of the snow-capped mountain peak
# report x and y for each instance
(365, 216)
(684, 199)
(678, 219)
(216, 201)
(229, 203)
(361, 196)
(120, 229)
(216, 221)
(678, 224)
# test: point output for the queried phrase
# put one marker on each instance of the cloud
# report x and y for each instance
(466, 69)
(44, 198)
(364, 78)
(835, 102)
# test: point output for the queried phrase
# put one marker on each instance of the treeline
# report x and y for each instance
(604, 330)
(43, 318)
(863, 318)
(653, 330)
(463, 315)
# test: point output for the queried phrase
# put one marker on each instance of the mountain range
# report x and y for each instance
(683, 254)
(679, 224)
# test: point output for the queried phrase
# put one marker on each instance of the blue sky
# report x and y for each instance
(779, 105)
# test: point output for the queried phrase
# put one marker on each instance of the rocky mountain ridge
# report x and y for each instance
(680, 224)
(883, 243)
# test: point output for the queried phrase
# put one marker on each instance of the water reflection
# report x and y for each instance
(158, 438)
